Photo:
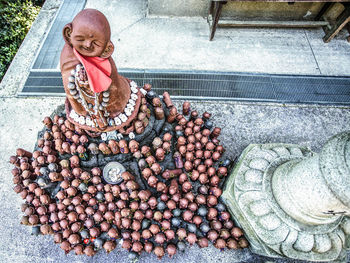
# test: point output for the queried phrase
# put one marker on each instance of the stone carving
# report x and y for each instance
(98, 98)
(292, 202)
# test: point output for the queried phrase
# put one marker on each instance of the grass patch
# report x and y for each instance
(16, 18)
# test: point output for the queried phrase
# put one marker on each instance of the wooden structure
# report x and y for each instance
(215, 8)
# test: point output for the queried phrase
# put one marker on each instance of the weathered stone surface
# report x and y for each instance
(292, 202)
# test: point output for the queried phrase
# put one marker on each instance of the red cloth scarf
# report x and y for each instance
(98, 71)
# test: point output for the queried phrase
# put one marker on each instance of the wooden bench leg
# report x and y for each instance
(342, 20)
(215, 9)
(323, 11)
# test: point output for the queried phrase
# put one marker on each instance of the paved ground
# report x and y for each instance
(174, 44)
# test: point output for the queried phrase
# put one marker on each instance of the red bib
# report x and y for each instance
(98, 71)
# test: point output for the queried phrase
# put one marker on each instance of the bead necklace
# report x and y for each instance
(99, 109)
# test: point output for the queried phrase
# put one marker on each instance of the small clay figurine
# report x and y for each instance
(157, 143)
(146, 151)
(104, 148)
(83, 139)
(160, 154)
(167, 100)
(74, 161)
(194, 115)
(114, 146)
(159, 113)
(139, 127)
(178, 160)
(123, 146)
(48, 122)
(66, 147)
(156, 168)
(82, 153)
(93, 148)
(156, 102)
(186, 108)
(133, 146)
(172, 115)
(166, 147)
(215, 133)
(150, 160)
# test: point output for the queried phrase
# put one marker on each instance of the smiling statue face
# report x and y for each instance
(88, 41)
(89, 33)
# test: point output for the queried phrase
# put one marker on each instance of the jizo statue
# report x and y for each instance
(98, 98)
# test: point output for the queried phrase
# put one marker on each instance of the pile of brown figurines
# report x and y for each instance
(169, 195)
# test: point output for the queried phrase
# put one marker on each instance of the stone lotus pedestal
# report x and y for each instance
(292, 202)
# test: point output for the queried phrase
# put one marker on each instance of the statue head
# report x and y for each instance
(89, 33)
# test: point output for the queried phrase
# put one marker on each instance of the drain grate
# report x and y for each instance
(49, 55)
(218, 85)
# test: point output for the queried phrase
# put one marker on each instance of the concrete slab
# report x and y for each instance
(174, 43)
(243, 123)
(120, 13)
(333, 57)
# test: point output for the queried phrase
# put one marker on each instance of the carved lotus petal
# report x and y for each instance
(304, 242)
(260, 208)
(270, 222)
(259, 164)
(254, 176)
(322, 243)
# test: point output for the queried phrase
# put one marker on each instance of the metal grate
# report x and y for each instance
(49, 55)
(218, 85)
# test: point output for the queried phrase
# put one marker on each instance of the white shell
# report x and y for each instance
(71, 85)
(119, 136)
(72, 72)
(82, 120)
(71, 79)
(131, 102)
(112, 135)
(134, 90)
(133, 84)
(123, 117)
(78, 67)
(73, 92)
(73, 114)
(127, 112)
(111, 122)
(117, 121)
(130, 107)
(131, 135)
(134, 97)
(143, 91)
(104, 136)
(88, 121)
